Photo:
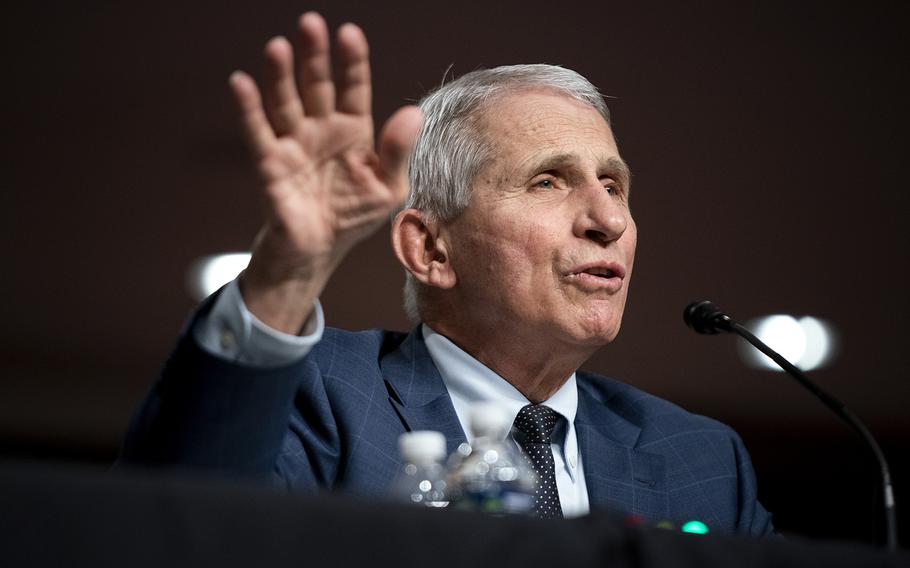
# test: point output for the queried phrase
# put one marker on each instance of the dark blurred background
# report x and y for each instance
(767, 141)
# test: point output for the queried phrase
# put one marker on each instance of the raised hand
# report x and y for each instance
(326, 185)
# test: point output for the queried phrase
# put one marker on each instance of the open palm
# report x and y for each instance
(326, 185)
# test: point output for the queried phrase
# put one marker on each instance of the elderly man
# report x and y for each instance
(518, 244)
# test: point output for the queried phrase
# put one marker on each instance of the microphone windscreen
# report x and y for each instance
(702, 317)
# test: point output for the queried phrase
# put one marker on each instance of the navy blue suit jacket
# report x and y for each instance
(332, 420)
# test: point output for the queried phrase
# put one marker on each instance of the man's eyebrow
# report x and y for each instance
(614, 166)
(620, 169)
(552, 162)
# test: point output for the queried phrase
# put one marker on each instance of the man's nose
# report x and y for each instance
(603, 216)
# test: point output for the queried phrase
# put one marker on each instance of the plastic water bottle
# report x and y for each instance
(422, 480)
(491, 476)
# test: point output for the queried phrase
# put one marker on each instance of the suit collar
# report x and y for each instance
(594, 411)
(618, 476)
(417, 391)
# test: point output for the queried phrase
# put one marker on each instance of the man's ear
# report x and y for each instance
(421, 247)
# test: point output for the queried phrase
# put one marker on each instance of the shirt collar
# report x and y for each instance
(469, 381)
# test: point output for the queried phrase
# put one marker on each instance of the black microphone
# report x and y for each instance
(704, 317)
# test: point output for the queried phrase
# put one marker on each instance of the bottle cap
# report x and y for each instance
(490, 420)
(422, 445)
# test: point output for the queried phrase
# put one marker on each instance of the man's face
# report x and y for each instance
(547, 243)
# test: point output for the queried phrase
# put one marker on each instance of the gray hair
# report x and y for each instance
(451, 148)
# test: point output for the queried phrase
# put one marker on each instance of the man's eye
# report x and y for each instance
(544, 184)
(612, 187)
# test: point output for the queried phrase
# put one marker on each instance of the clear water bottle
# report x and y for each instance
(491, 475)
(422, 480)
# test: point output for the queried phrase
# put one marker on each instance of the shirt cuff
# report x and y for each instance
(229, 331)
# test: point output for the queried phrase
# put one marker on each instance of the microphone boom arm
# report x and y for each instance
(704, 317)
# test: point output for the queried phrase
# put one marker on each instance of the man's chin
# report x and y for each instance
(600, 340)
(594, 337)
(598, 328)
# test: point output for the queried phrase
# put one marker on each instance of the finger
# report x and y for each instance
(256, 126)
(316, 85)
(282, 103)
(355, 94)
(395, 144)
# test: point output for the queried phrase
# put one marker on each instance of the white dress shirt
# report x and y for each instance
(231, 332)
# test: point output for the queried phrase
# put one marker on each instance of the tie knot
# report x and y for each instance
(537, 422)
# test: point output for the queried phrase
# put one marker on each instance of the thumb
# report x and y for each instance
(395, 144)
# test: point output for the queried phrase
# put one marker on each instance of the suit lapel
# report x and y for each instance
(619, 477)
(417, 392)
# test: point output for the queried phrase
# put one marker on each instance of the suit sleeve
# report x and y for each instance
(206, 412)
(754, 520)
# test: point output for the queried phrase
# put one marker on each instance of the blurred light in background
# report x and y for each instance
(807, 342)
(209, 273)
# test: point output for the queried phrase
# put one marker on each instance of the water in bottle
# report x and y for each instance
(422, 479)
(491, 475)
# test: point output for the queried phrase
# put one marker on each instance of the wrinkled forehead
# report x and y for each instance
(519, 101)
(538, 112)
(542, 125)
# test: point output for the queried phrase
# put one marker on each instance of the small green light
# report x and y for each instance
(695, 527)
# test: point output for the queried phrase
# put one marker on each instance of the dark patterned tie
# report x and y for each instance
(537, 422)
